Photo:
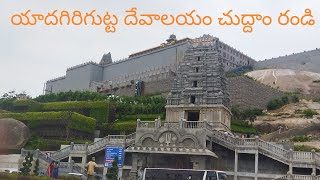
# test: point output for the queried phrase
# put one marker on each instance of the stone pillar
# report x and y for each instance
(290, 160)
(120, 173)
(70, 158)
(235, 164)
(314, 166)
(37, 153)
(71, 146)
(289, 175)
(134, 168)
(71, 163)
(256, 165)
(105, 170)
(138, 122)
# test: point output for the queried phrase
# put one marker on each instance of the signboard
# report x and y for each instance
(111, 153)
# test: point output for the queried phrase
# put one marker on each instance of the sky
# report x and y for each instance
(31, 55)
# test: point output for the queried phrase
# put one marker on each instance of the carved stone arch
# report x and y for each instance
(162, 131)
(192, 138)
(149, 135)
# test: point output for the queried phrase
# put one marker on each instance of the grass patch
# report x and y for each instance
(33, 119)
(301, 139)
(242, 127)
(309, 113)
(36, 142)
(305, 148)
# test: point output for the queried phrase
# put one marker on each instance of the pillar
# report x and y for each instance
(256, 165)
(290, 160)
(314, 166)
(235, 164)
(105, 170)
(70, 159)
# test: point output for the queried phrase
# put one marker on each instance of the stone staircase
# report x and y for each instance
(290, 157)
(243, 145)
(67, 167)
(121, 140)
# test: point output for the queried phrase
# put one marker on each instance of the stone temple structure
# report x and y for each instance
(198, 96)
(195, 134)
(149, 65)
(199, 90)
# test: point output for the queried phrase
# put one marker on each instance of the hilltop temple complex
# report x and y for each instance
(150, 65)
(196, 132)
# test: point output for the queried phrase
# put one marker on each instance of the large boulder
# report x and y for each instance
(13, 134)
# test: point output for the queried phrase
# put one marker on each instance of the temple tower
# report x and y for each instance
(199, 91)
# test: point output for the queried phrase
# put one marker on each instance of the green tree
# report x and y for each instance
(36, 168)
(112, 173)
(25, 170)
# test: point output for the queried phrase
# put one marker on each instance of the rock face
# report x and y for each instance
(13, 134)
(289, 80)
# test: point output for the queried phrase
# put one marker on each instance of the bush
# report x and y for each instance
(294, 99)
(300, 139)
(242, 127)
(305, 148)
(33, 119)
(249, 114)
(309, 113)
(278, 103)
(82, 123)
(71, 105)
(25, 170)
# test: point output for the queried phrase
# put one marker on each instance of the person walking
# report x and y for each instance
(50, 169)
(91, 167)
(55, 172)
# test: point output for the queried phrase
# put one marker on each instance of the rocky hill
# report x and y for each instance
(304, 61)
(289, 80)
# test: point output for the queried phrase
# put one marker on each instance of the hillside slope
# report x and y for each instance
(304, 61)
(249, 94)
(289, 80)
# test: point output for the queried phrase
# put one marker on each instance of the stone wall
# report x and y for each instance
(243, 91)
(304, 61)
(248, 93)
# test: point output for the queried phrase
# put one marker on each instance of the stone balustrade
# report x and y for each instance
(299, 177)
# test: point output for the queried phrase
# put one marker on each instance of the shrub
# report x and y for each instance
(112, 173)
(82, 123)
(305, 148)
(294, 99)
(36, 168)
(33, 119)
(25, 170)
(242, 127)
(70, 105)
(249, 114)
(308, 113)
(300, 139)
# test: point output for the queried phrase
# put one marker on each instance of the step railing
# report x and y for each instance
(62, 153)
(274, 150)
(193, 124)
(299, 155)
(266, 147)
(298, 177)
(95, 146)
